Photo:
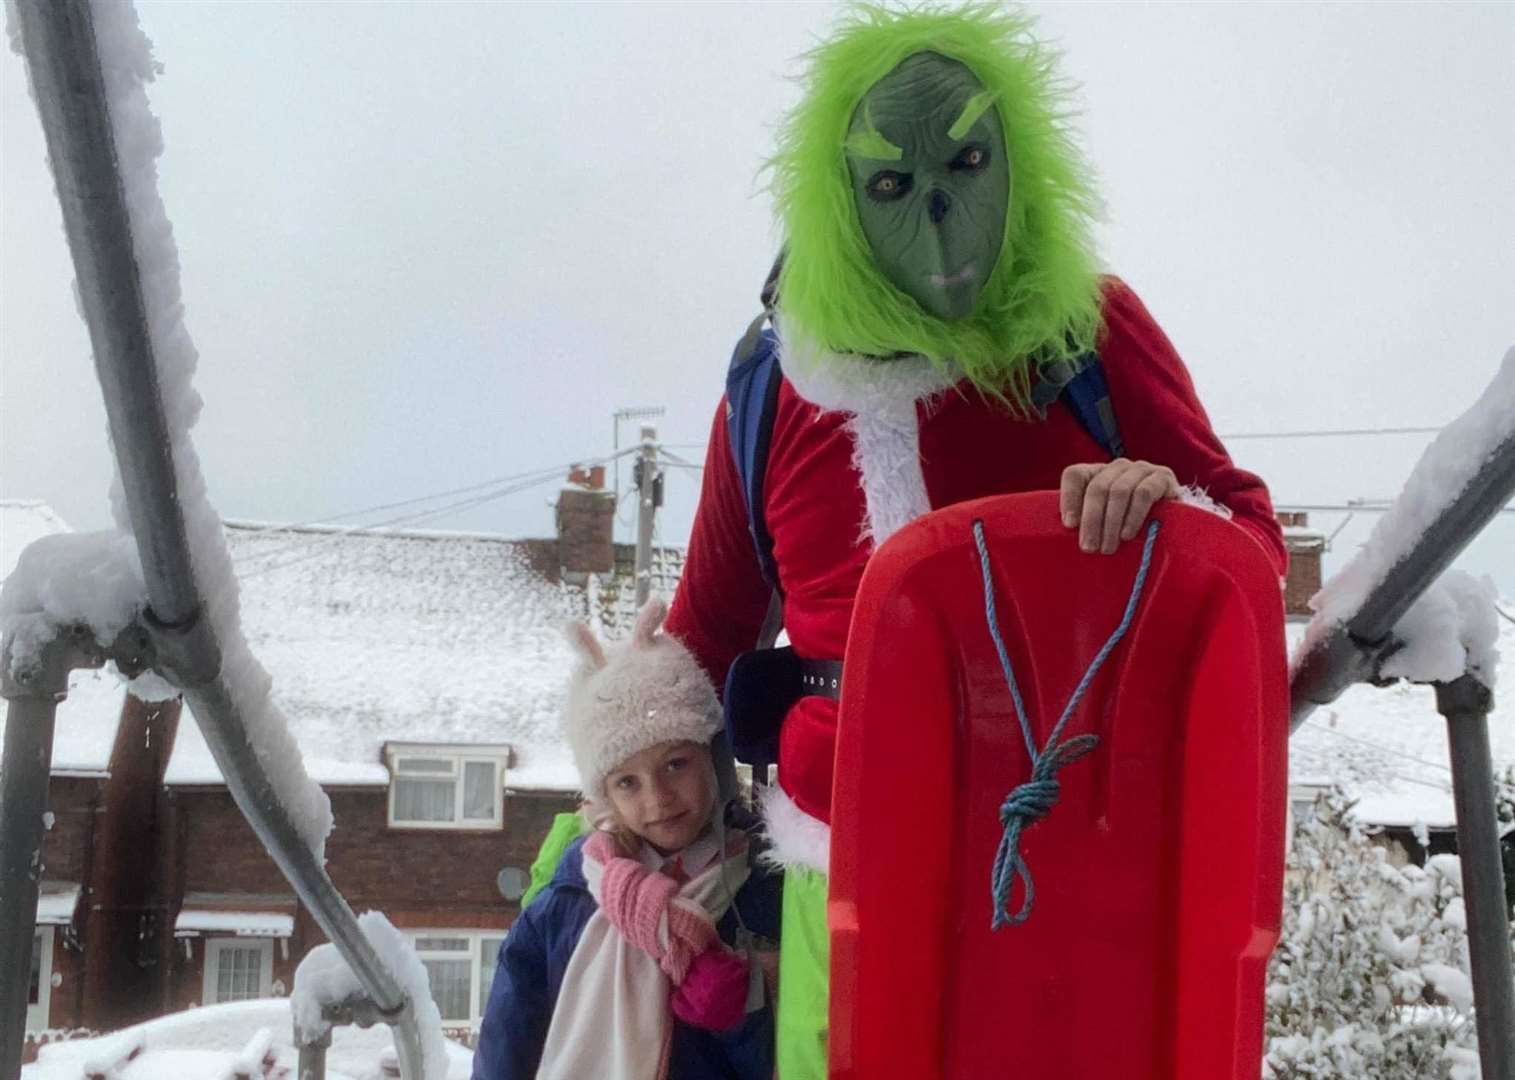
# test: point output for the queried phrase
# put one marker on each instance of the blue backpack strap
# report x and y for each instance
(1081, 385)
(752, 394)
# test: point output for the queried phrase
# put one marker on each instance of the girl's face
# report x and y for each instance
(664, 794)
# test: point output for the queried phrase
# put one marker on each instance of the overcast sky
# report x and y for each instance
(425, 245)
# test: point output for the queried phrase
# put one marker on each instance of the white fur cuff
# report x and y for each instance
(1194, 495)
(795, 838)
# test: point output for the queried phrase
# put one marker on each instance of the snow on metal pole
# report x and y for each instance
(1465, 703)
(63, 61)
(69, 88)
(1348, 653)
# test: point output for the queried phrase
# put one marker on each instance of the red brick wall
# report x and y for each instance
(1305, 550)
(418, 878)
(586, 524)
(1303, 581)
(66, 846)
(67, 849)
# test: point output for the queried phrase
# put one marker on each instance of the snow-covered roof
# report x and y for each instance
(1387, 746)
(241, 923)
(242, 914)
(372, 637)
(208, 1041)
(56, 901)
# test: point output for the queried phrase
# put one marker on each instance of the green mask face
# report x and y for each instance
(931, 181)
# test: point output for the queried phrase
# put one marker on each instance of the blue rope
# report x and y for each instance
(1033, 800)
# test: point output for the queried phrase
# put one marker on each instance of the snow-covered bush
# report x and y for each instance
(1370, 974)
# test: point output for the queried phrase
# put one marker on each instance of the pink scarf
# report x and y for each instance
(651, 948)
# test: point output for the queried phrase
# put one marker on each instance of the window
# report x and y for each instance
(39, 989)
(441, 787)
(238, 969)
(460, 966)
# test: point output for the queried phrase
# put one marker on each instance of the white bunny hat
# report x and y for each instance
(640, 693)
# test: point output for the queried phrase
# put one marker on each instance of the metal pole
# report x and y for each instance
(70, 92)
(312, 1059)
(647, 467)
(32, 695)
(23, 801)
(1465, 703)
(65, 69)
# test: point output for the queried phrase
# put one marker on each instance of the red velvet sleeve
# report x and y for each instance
(1162, 421)
(722, 598)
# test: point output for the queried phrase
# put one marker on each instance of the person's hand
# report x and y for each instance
(1107, 503)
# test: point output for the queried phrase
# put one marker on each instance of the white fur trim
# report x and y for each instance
(881, 397)
(795, 838)
(1194, 495)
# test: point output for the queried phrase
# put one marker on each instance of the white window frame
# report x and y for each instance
(457, 759)
(475, 939)
(38, 1015)
(215, 946)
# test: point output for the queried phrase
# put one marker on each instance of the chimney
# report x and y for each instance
(1305, 548)
(586, 524)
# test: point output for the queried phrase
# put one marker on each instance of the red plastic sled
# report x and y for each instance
(1159, 873)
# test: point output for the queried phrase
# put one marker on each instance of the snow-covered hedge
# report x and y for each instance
(1370, 975)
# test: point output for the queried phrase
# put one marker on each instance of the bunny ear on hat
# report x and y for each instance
(649, 619)
(590, 652)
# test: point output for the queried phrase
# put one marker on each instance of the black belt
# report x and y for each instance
(761, 687)
(821, 678)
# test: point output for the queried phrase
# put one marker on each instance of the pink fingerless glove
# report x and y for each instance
(713, 995)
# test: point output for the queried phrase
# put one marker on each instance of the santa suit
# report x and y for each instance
(860, 447)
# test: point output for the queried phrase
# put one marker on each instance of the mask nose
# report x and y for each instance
(938, 205)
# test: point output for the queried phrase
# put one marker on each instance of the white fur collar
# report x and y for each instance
(880, 398)
(846, 382)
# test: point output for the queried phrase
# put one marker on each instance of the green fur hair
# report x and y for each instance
(1041, 302)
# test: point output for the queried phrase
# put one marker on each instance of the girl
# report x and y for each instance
(636, 961)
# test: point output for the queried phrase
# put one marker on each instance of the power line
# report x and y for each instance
(510, 478)
(1378, 746)
(319, 545)
(312, 546)
(1365, 507)
(1327, 433)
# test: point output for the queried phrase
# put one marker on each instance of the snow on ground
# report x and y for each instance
(1387, 746)
(202, 1044)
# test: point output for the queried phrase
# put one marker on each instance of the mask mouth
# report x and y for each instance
(942, 281)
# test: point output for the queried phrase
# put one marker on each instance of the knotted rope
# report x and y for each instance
(1034, 799)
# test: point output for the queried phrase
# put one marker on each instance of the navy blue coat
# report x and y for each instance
(536, 953)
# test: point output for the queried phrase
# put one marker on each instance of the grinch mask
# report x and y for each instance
(931, 181)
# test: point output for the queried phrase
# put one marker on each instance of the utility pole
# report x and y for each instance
(634, 412)
(649, 496)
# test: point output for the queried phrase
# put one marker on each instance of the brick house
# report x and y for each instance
(420, 674)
